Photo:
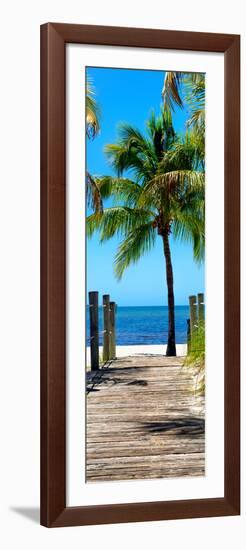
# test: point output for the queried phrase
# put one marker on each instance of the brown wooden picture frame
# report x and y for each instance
(54, 512)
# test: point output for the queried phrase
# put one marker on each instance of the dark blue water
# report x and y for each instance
(145, 325)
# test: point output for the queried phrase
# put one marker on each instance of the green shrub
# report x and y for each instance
(196, 356)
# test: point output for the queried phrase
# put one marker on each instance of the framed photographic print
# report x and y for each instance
(140, 290)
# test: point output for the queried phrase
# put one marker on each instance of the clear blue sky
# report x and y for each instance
(130, 95)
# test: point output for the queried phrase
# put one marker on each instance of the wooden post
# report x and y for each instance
(94, 339)
(106, 326)
(112, 352)
(200, 300)
(193, 313)
(188, 335)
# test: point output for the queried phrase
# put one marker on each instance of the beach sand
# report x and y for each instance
(124, 351)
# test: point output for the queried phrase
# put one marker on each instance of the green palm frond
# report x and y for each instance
(175, 182)
(161, 131)
(194, 87)
(122, 159)
(186, 153)
(118, 220)
(137, 243)
(190, 228)
(197, 119)
(131, 137)
(121, 189)
(132, 152)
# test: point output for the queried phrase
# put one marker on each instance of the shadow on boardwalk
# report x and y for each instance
(143, 421)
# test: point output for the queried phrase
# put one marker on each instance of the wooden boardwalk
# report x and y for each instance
(143, 421)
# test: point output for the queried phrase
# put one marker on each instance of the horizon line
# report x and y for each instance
(145, 305)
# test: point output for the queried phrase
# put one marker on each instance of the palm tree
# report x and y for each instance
(164, 196)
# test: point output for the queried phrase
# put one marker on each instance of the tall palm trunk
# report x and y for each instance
(171, 346)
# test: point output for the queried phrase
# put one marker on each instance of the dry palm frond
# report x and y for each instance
(170, 91)
(93, 195)
(92, 111)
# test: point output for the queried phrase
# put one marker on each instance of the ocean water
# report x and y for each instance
(144, 325)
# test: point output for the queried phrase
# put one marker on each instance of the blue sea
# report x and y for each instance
(145, 325)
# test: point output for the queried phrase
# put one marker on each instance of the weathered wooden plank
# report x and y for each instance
(144, 421)
(149, 440)
(158, 474)
(144, 451)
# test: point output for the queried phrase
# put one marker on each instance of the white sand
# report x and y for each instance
(124, 351)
